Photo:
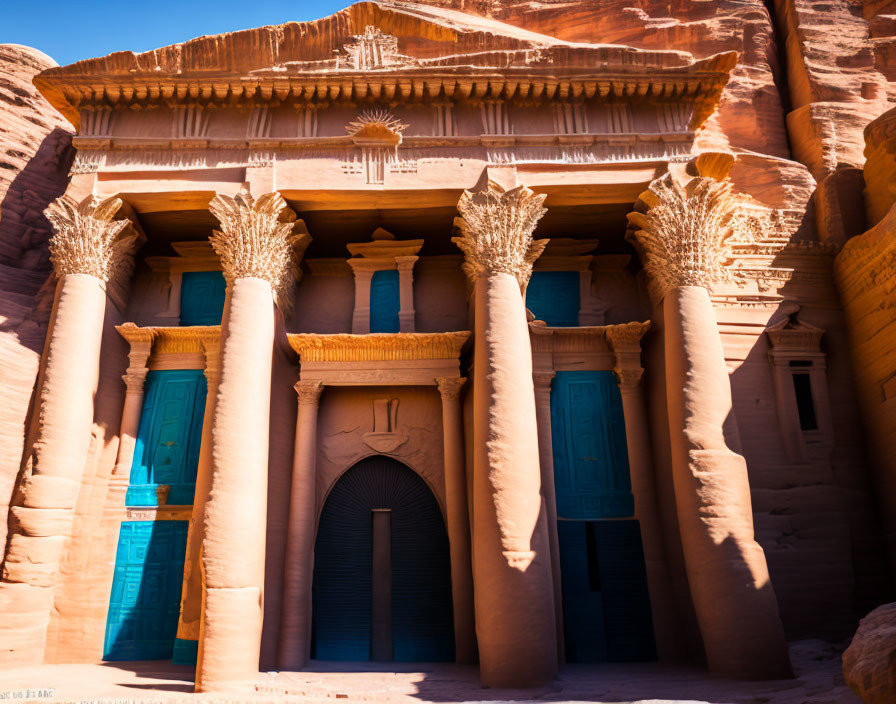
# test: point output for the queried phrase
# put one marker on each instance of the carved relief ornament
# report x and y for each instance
(686, 232)
(258, 239)
(496, 229)
(87, 240)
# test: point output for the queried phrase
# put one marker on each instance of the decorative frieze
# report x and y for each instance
(401, 346)
(496, 229)
(87, 239)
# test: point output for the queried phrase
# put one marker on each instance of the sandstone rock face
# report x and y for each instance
(869, 664)
(35, 155)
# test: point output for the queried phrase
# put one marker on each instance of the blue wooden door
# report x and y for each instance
(202, 297)
(342, 595)
(145, 600)
(553, 296)
(168, 439)
(385, 301)
(591, 471)
(606, 607)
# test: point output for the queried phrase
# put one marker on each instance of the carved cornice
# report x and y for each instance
(685, 234)
(379, 347)
(450, 386)
(496, 231)
(260, 239)
(87, 240)
(196, 339)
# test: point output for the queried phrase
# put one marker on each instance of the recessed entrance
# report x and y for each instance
(382, 574)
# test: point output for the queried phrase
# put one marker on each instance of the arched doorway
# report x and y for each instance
(382, 574)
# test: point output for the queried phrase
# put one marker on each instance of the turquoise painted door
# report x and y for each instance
(553, 296)
(591, 472)
(145, 601)
(606, 607)
(168, 440)
(384, 301)
(202, 298)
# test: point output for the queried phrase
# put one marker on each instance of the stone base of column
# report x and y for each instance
(226, 638)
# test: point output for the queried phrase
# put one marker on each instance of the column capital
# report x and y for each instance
(683, 232)
(450, 386)
(259, 238)
(134, 379)
(496, 229)
(628, 378)
(543, 379)
(406, 263)
(309, 392)
(86, 239)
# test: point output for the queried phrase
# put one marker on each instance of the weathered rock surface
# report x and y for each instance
(869, 663)
(35, 155)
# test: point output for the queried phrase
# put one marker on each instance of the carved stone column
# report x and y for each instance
(542, 381)
(406, 311)
(190, 619)
(626, 343)
(511, 558)
(256, 249)
(87, 250)
(683, 237)
(361, 314)
(458, 519)
(295, 632)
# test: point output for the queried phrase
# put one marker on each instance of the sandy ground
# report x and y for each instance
(816, 663)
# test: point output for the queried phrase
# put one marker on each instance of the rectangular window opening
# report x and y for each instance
(805, 405)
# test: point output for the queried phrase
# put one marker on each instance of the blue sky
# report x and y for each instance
(71, 30)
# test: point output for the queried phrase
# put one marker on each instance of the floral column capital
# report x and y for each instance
(685, 231)
(496, 231)
(257, 239)
(86, 239)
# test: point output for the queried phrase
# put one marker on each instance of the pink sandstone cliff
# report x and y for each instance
(35, 155)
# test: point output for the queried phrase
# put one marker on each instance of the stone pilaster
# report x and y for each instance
(406, 313)
(625, 340)
(458, 519)
(683, 235)
(542, 381)
(514, 597)
(256, 245)
(88, 249)
(190, 619)
(295, 632)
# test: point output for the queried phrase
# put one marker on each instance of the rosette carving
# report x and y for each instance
(496, 231)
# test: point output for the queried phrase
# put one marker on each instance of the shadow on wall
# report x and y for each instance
(812, 503)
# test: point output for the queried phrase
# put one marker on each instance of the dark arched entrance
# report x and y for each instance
(382, 574)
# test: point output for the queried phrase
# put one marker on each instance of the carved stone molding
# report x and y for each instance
(399, 346)
(450, 386)
(496, 231)
(628, 379)
(258, 239)
(625, 340)
(627, 336)
(309, 392)
(685, 233)
(542, 380)
(86, 238)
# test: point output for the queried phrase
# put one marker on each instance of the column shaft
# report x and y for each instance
(295, 633)
(511, 563)
(542, 382)
(191, 592)
(727, 572)
(234, 544)
(44, 503)
(458, 520)
(666, 626)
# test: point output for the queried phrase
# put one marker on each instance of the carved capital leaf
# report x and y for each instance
(685, 233)
(309, 392)
(450, 386)
(256, 239)
(86, 239)
(496, 231)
